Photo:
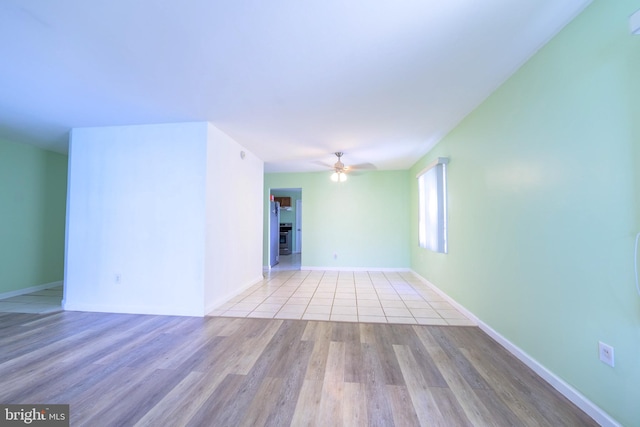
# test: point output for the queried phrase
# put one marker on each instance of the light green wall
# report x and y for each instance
(543, 208)
(363, 220)
(33, 188)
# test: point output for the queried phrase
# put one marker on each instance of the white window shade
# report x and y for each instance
(432, 193)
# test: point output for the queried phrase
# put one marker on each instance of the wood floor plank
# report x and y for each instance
(333, 386)
(472, 406)
(134, 401)
(321, 339)
(288, 345)
(164, 412)
(167, 370)
(512, 373)
(463, 366)
(424, 403)
(45, 380)
(367, 333)
(379, 409)
(288, 334)
(307, 411)
(266, 397)
(450, 408)
(183, 402)
(354, 405)
(385, 339)
(404, 413)
(215, 410)
(281, 413)
(425, 363)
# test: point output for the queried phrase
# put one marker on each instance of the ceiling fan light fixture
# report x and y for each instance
(338, 177)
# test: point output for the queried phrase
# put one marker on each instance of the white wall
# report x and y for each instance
(139, 207)
(234, 219)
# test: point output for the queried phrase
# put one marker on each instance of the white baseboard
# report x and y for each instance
(578, 399)
(131, 309)
(29, 290)
(225, 298)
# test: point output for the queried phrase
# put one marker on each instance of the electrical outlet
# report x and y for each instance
(606, 353)
(118, 278)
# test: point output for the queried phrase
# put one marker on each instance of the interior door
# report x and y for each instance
(298, 226)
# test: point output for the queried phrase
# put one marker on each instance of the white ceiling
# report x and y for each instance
(292, 81)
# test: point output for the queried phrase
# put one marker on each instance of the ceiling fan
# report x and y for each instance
(340, 170)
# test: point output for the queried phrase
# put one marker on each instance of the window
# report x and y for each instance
(432, 194)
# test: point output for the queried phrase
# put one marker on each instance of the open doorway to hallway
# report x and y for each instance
(290, 224)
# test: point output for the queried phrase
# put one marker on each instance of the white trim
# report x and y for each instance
(224, 299)
(133, 309)
(29, 290)
(438, 161)
(578, 399)
(390, 270)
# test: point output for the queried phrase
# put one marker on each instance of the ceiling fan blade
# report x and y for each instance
(323, 164)
(362, 167)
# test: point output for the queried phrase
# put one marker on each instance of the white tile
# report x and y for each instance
(424, 312)
(245, 306)
(393, 297)
(292, 309)
(261, 315)
(389, 296)
(345, 302)
(345, 295)
(392, 303)
(252, 299)
(372, 319)
(269, 308)
(324, 309)
(370, 311)
(337, 309)
(460, 322)
(316, 316)
(298, 300)
(451, 314)
(368, 303)
(236, 313)
(397, 312)
(276, 300)
(367, 295)
(281, 293)
(442, 306)
(411, 297)
(402, 320)
(428, 321)
(296, 316)
(343, 318)
(212, 313)
(417, 304)
(321, 302)
(302, 294)
(323, 295)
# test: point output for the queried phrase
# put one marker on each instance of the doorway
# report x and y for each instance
(290, 222)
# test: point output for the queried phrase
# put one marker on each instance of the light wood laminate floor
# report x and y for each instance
(126, 370)
(40, 302)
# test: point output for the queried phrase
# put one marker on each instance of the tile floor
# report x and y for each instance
(288, 262)
(360, 296)
(44, 301)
